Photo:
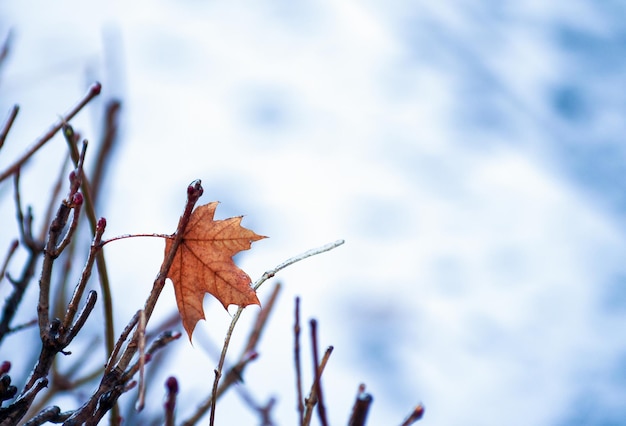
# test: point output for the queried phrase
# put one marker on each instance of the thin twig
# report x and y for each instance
(5, 49)
(90, 302)
(264, 411)
(414, 416)
(169, 406)
(194, 191)
(46, 415)
(210, 402)
(34, 251)
(218, 374)
(160, 342)
(249, 352)
(24, 222)
(120, 342)
(52, 339)
(361, 407)
(8, 124)
(108, 141)
(50, 414)
(62, 382)
(22, 403)
(12, 248)
(72, 307)
(125, 236)
(298, 365)
(261, 321)
(54, 195)
(269, 274)
(247, 355)
(321, 408)
(53, 336)
(22, 326)
(75, 204)
(90, 210)
(311, 400)
(116, 379)
(94, 90)
(141, 327)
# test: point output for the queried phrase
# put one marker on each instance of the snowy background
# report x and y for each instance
(470, 153)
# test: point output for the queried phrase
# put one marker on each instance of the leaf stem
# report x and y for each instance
(125, 236)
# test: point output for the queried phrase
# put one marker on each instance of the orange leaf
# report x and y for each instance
(203, 264)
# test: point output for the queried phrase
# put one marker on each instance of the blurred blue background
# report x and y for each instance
(470, 153)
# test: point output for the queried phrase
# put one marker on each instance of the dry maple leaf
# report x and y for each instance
(203, 264)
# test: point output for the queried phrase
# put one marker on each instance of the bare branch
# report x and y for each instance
(34, 251)
(50, 414)
(14, 412)
(207, 404)
(269, 274)
(110, 136)
(12, 248)
(321, 409)
(360, 408)
(298, 365)
(115, 380)
(120, 342)
(72, 307)
(194, 192)
(160, 342)
(5, 49)
(8, 123)
(141, 328)
(92, 296)
(311, 400)
(171, 385)
(94, 90)
(236, 372)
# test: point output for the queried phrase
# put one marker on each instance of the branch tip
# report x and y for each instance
(101, 225)
(77, 199)
(95, 88)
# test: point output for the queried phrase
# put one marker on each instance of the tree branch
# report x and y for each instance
(94, 90)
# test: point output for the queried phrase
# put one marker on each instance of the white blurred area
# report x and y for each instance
(482, 272)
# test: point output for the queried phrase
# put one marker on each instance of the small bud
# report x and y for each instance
(72, 176)
(77, 199)
(5, 367)
(68, 131)
(195, 187)
(171, 384)
(96, 88)
(102, 223)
